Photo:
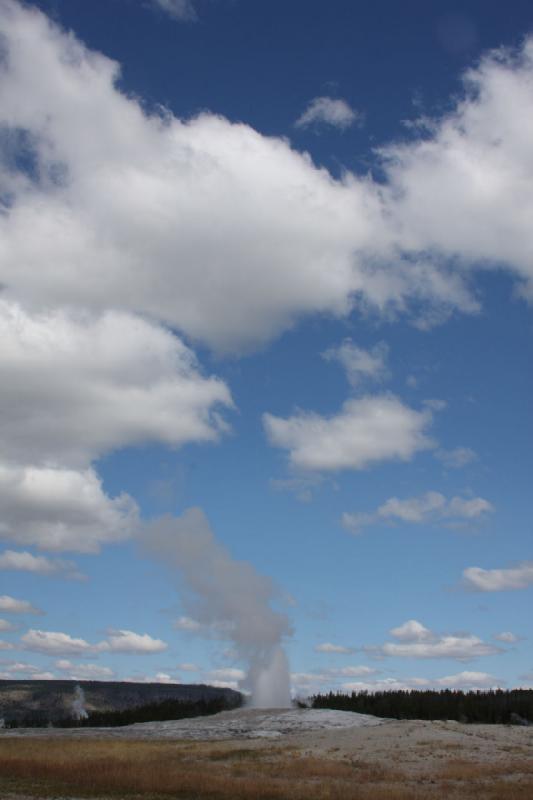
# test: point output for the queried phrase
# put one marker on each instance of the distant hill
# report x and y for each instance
(52, 701)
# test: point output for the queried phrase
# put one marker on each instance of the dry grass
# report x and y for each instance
(200, 771)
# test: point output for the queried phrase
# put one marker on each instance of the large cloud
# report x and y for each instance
(366, 430)
(75, 386)
(465, 187)
(183, 220)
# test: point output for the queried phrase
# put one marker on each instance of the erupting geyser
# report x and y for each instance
(229, 599)
(270, 681)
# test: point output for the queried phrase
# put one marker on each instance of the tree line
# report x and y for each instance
(150, 712)
(514, 706)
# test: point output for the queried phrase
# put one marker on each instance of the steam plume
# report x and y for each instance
(78, 704)
(227, 596)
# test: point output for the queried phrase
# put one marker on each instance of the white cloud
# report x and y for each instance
(329, 111)
(84, 672)
(117, 641)
(117, 217)
(120, 641)
(6, 626)
(40, 565)
(327, 647)
(463, 680)
(182, 10)
(6, 645)
(359, 364)
(456, 458)
(61, 509)
(23, 668)
(465, 187)
(506, 636)
(431, 507)
(417, 641)
(367, 430)
(14, 606)
(55, 643)
(75, 386)
(411, 631)
(499, 580)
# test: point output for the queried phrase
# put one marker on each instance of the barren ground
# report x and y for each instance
(301, 755)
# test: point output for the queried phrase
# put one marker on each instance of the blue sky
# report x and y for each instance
(266, 320)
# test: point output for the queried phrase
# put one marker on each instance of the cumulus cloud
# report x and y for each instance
(335, 112)
(499, 580)
(55, 643)
(359, 364)
(464, 188)
(118, 641)
(417, 641)
(117, 218)
(75, 386)
(6, 625)
(365, 431)
(466, 680)
(22, 561)
(182, 10)
(15, 606)
(328, 647)
(5, 645)
(411, 631)
(59, 509)
(431, 507)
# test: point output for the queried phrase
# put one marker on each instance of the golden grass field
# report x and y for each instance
(399, 761)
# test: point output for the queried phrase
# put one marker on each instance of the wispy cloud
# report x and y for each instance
(431, 507)
(329, 111)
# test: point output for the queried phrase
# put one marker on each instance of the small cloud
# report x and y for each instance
(6, 626)
(187, 667)
(120, 641)
(336, 113)
(186, 624)
(367, 430)
(328, 647)
(23, 561)
(359, 364)
(14, 606)
(181, 10)
(411, 631)
(429, 508)
(456, 458)
(499, 580)
(507, 637)
(55, 643)
(417, 641)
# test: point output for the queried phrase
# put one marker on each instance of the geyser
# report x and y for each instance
(229, 599)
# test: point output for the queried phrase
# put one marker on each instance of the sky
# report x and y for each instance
(266, 286)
